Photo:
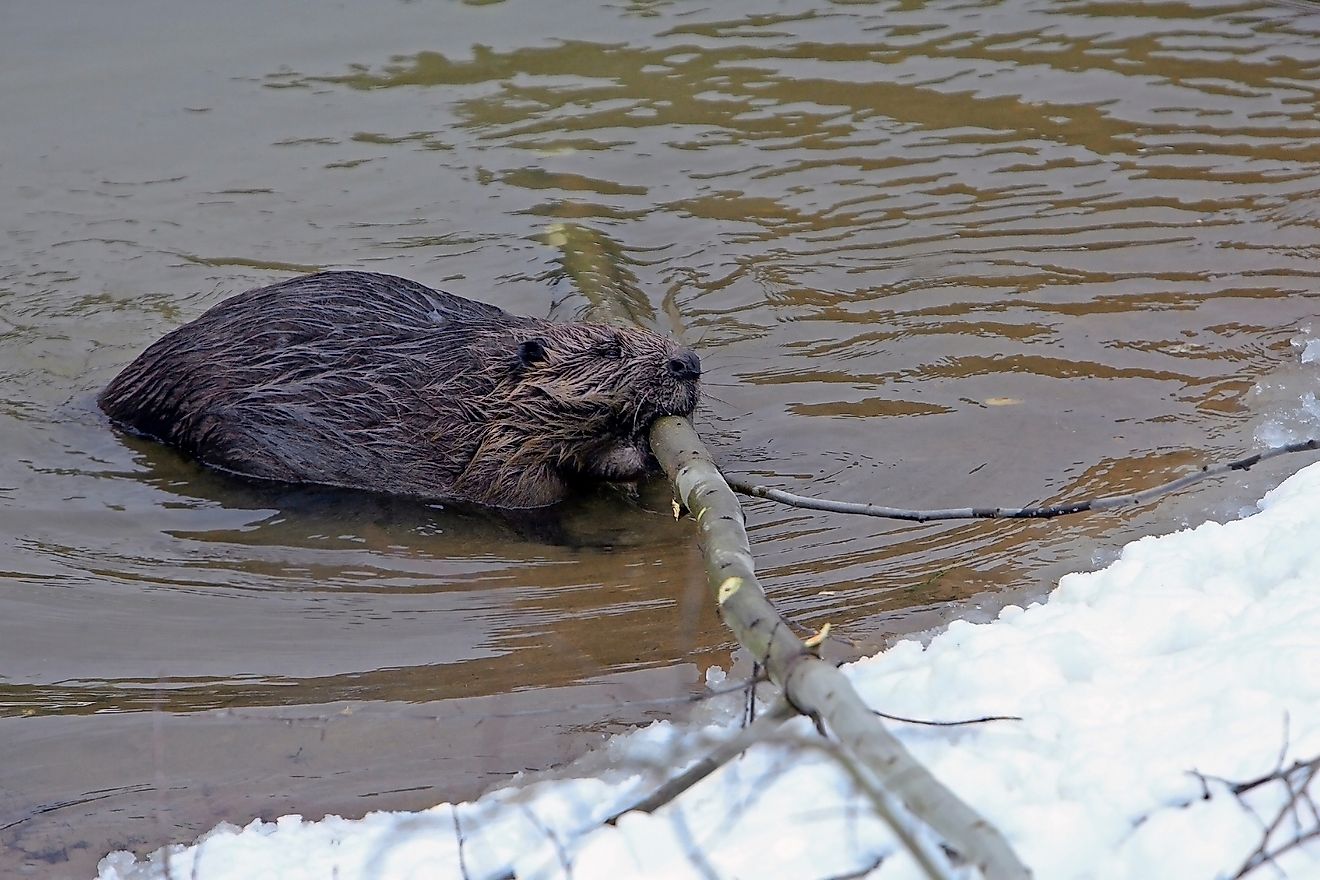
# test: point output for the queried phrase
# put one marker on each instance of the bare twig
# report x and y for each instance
(779, 712)
(561, 852)
(764, 730)
(1298, 792)
(929, 723)
(459, 838)
(1299, 804)
(690, 848)
(1312, 766)
(1109, 502)
(926, 854)
(864, 871)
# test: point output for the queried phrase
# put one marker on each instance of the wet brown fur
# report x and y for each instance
(375, 382)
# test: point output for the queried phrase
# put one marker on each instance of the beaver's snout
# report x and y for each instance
(685, 366)
(683, 369)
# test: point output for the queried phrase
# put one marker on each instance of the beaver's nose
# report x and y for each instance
(686, 366)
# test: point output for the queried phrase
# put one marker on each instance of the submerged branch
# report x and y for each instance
(1109, 502)
(596, 264)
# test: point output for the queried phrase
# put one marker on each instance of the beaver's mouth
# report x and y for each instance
(628, 459)
(628, 456)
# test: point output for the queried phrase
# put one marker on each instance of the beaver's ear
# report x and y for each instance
(531, 351)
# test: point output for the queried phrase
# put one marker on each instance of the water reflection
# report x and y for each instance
(871, 219)
(221, 572)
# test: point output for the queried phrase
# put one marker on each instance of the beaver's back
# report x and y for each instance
(375, 382)
(317, 379)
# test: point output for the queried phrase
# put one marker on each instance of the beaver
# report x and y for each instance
(370, 381)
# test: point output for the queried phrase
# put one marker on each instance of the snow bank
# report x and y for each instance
(1193, 653)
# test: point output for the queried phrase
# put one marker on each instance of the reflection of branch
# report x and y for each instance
(596, 264)
(1109, 502)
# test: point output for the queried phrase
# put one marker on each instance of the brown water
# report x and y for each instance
(931, 254)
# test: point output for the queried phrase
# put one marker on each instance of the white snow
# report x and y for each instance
(1143, 689)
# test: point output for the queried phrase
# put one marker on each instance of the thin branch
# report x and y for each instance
(1263, 855)
(1296, 781)
(779, 712)
(906, 826)
(1311, 766)
(864, 871)
(1110, 502)
(458, 836)
(560, 852)
(982, 720)
(765, 729)
(928, 856)
(691, 850)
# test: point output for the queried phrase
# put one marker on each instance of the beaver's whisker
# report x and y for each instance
(716, 399)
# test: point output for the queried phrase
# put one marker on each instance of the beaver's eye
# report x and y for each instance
(612, 349)
(532, 351)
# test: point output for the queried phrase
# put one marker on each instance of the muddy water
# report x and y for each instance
(931, 254)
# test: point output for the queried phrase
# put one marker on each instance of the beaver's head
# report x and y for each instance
(590, 392)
